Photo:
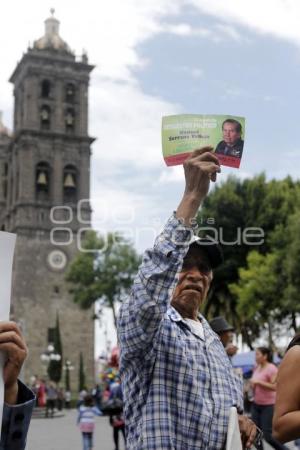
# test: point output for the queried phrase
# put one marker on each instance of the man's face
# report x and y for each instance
(230, 134)
(226, 337)
(193, 283)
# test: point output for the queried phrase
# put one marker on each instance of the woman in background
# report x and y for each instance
(286, 422)
(263, 383)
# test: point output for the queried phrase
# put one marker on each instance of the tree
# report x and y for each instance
(290, 259)
(258, 294)
(81, 374)
(103, 271)
(232, 207)
(55, 365)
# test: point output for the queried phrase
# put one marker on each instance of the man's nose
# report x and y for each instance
(194, 274)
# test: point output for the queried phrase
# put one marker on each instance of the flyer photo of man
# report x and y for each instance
(232, 143)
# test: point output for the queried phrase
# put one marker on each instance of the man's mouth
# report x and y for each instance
(193, 287)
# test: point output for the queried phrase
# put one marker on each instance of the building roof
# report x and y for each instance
(51, 39)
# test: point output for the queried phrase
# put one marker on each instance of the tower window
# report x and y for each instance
(70, 120)
(4, 187)
(45, 116)
(70, 93)
(42, 181)
(70, 180)
(45, 89)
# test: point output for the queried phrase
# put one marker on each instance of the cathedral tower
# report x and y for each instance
(46, 194)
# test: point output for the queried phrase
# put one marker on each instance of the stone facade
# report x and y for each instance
(45, 173)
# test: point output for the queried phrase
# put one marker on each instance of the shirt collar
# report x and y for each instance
(210, 336)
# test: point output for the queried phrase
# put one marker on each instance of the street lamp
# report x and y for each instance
(67, 367)
(50, 355)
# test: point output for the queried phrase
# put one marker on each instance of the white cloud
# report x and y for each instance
(171, 175)
(229, 31)
(276, 17)
(128, 124)
(217, 33)
(194, 72)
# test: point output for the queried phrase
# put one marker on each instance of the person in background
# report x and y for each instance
(97, 395)
(81, 397)
(41, 394)
(225, 331)
(68, 397)
(263, 383)
(60, 398)
(286, 422)
(51, 399)
(86, 420)
(116, 419)
(18, 399)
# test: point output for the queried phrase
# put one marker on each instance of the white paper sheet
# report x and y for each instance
(7, 246)
(233, 441)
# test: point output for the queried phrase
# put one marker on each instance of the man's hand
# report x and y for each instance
(15, 351)
(248, 431)
(199, 169)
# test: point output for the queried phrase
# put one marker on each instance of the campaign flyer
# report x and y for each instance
(182, 134)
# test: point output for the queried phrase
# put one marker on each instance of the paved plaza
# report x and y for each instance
(62, 434)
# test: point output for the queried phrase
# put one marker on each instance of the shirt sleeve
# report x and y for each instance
(142, 312)
(272, 371)
(16, 420)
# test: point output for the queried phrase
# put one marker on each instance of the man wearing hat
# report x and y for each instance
(178, 383)
(225, 331)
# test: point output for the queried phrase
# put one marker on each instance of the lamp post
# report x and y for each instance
(50, 355)
(67, 367)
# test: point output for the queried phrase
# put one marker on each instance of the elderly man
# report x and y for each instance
(178, 383)
(18, 399)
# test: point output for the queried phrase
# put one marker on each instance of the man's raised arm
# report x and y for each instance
(141, 314)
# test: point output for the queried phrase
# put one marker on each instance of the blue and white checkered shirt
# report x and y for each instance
(177, 387)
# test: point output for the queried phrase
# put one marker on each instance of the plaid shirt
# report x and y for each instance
(177, 387)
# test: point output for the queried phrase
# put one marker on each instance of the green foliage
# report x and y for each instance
(257, 285)
(55, 367)
(106, 273)
(257, 291)
(291, 265)
(81, 374)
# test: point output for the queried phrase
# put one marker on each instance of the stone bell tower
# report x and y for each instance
(47, 179)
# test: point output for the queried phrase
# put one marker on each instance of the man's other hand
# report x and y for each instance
(248, 431)
(15, 351)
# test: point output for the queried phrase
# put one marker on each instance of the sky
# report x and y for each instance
(160, 57)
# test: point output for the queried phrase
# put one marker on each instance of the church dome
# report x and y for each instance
(51, 39)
